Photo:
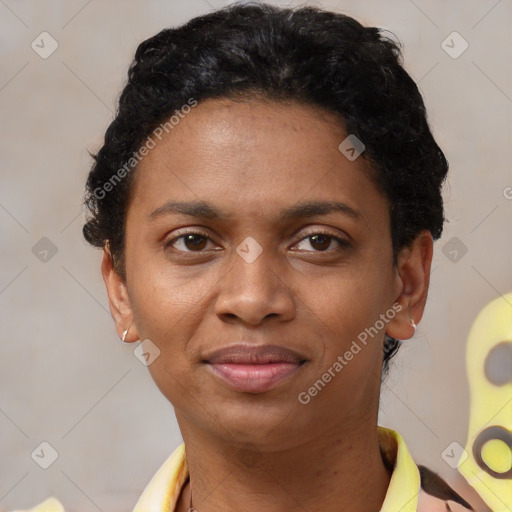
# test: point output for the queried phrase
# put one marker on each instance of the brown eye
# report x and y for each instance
(322, 241)
(189, 242)
(194, 242)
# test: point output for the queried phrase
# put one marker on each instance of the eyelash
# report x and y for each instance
(343, 244)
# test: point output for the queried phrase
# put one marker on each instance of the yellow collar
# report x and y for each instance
(162, 492)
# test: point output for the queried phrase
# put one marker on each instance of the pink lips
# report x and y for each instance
(254, 369)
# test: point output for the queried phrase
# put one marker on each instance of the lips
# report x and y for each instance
(263, 354)
(254, 369)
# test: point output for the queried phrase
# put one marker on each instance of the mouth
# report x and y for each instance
(254, 369)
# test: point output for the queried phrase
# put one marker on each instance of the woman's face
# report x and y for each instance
(254, 275)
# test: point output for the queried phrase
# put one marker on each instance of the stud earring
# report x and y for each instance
(413, 325)
(126, 332)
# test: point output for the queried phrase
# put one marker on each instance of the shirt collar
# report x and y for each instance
(162, 492)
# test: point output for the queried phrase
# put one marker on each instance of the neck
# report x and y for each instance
(331, 472)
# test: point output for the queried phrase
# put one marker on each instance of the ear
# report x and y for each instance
(118, 298)
(412, 278)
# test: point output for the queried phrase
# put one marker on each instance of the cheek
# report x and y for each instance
(348, 372)
(166, 312)
(169, 315)
(167, 301)
(349, 310)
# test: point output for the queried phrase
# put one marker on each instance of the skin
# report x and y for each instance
(267, 451)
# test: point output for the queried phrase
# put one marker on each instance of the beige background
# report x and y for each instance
(65, 377)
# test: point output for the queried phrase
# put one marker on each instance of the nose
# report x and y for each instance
(254, 290)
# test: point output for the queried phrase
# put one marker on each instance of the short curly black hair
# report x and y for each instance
(307, 55)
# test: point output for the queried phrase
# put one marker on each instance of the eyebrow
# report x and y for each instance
(203, 210)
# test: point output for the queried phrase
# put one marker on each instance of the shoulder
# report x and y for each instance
(413, 487)
(435, 494)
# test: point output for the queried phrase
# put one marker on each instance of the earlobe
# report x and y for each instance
(413, 278)
(119, 301)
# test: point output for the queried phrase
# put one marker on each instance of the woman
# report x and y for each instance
(267, 198)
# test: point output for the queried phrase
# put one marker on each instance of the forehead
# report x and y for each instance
(249, 154)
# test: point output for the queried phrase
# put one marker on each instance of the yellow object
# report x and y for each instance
(496, 456)
(48, 505)
(487, 463)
